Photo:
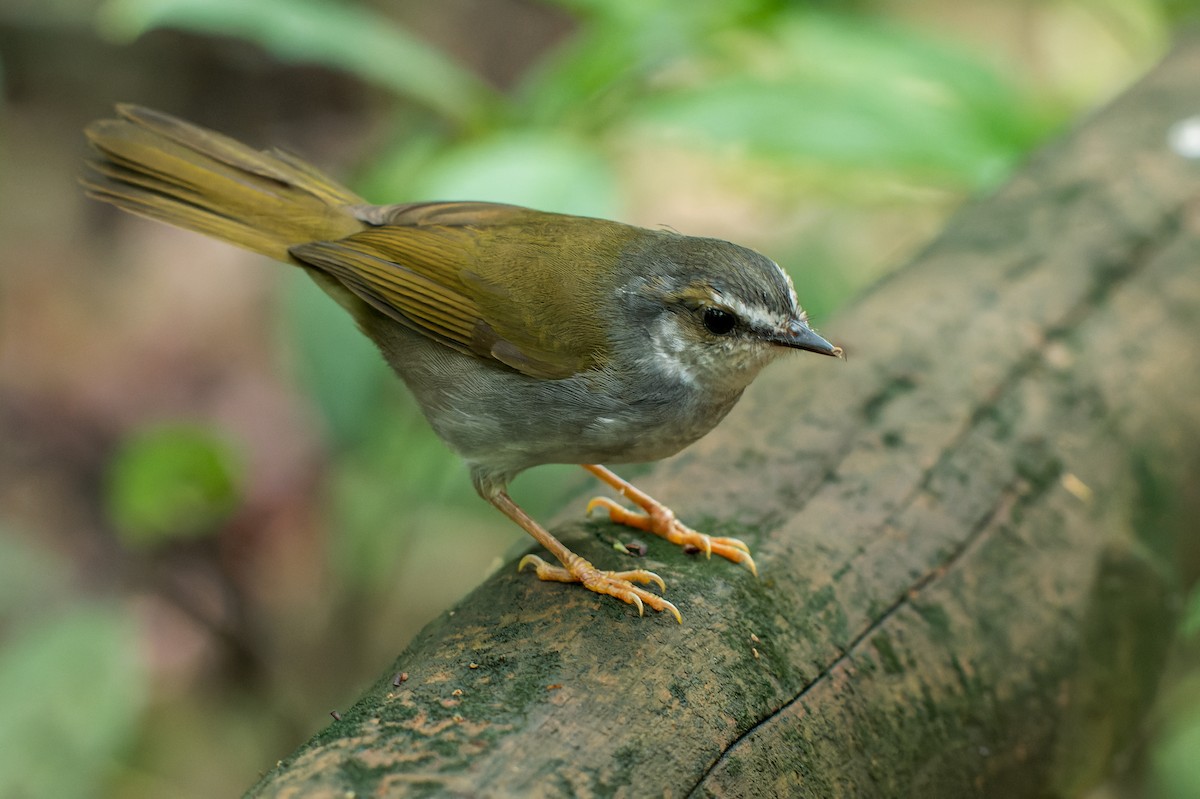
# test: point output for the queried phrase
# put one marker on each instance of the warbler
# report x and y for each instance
(526, 337)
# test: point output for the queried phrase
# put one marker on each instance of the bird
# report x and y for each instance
(526, 337)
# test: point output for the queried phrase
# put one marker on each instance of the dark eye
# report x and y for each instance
(719, 322)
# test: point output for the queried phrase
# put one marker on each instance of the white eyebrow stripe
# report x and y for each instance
(758, 318)
(801, 314)
(791, 288)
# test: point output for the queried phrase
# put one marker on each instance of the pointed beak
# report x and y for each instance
(800, 336)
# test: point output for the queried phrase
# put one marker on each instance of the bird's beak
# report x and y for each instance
(800, 336)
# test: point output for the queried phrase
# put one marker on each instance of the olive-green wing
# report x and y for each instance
(496, 281)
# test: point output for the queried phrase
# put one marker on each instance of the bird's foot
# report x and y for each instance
(615, 584)
(660, 520)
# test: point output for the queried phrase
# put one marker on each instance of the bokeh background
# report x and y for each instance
(220, 516)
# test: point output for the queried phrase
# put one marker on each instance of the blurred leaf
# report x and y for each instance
(824, 124)
(173, 481)
(585, 83)
(338, 366)
(852, 95)
(591, 79)
(854, 50)
(340, 35)
(540, 169)
(72, 690)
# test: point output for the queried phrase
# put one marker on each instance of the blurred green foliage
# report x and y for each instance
(847, 94)
(842, 92)
(171, 481)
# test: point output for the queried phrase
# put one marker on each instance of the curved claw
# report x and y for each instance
(599, 502)
(726, 549)
(641, 576)
(748, 562)
(639, 597)
(674, 611)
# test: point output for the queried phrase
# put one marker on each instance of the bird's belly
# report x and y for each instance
(648, 434)
(507, 422)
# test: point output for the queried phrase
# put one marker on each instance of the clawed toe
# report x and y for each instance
(615, 584)
(662, 522)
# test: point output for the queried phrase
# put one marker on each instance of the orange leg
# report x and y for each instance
(575, 569)
(660, 520)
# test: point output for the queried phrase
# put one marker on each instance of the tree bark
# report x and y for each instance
(971, 536)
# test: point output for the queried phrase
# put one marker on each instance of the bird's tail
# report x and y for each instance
(157, 166)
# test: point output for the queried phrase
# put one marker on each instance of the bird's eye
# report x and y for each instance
(718, 321)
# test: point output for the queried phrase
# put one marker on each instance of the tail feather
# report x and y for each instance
(155, 165)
